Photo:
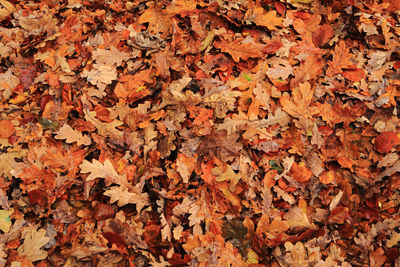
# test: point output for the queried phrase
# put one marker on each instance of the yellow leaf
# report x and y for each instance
(5, 220)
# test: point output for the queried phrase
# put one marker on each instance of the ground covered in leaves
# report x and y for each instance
(199, 133)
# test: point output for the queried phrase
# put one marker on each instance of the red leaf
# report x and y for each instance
(103, 212)
(322, 35)
(386, 141)
(355, 75)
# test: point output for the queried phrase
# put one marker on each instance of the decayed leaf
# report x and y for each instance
(71, 136)
(34, 241)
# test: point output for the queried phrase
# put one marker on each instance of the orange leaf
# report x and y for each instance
(345, 162)
(385, 142)
(6, 129)
(341, 59)
(300, 106)
(269, 19)
(355, 75)
(185, 166)
(300, 172)
(322, 35)
(327, 177)
(239, 50)
(207, 176)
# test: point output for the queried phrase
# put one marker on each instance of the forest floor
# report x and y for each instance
(199, 133)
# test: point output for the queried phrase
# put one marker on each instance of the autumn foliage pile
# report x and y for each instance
(199, 133)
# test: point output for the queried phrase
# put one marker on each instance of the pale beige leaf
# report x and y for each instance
(123, 197)
(106, 171)
(34, 241)
(71, 136)
(112, 56)
(101, 74)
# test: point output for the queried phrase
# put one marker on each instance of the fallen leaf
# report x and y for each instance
(71, 136)
(267, 19)
(239, 50)
(5, 220)
(33, 242)
(6, 129)
(386, 141)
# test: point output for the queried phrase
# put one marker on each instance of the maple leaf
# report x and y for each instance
(33, 242)
(300, 106)
(239, 50)
(72, 136)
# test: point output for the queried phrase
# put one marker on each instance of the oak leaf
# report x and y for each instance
(341, 60)
(269, 19)
(300, 106)
(185, 166)
(101, 75)
(105, 129)
(123, 196)
(5, 220)
(71, 136)
(98, 170)
(34, 241)
(239, 50)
